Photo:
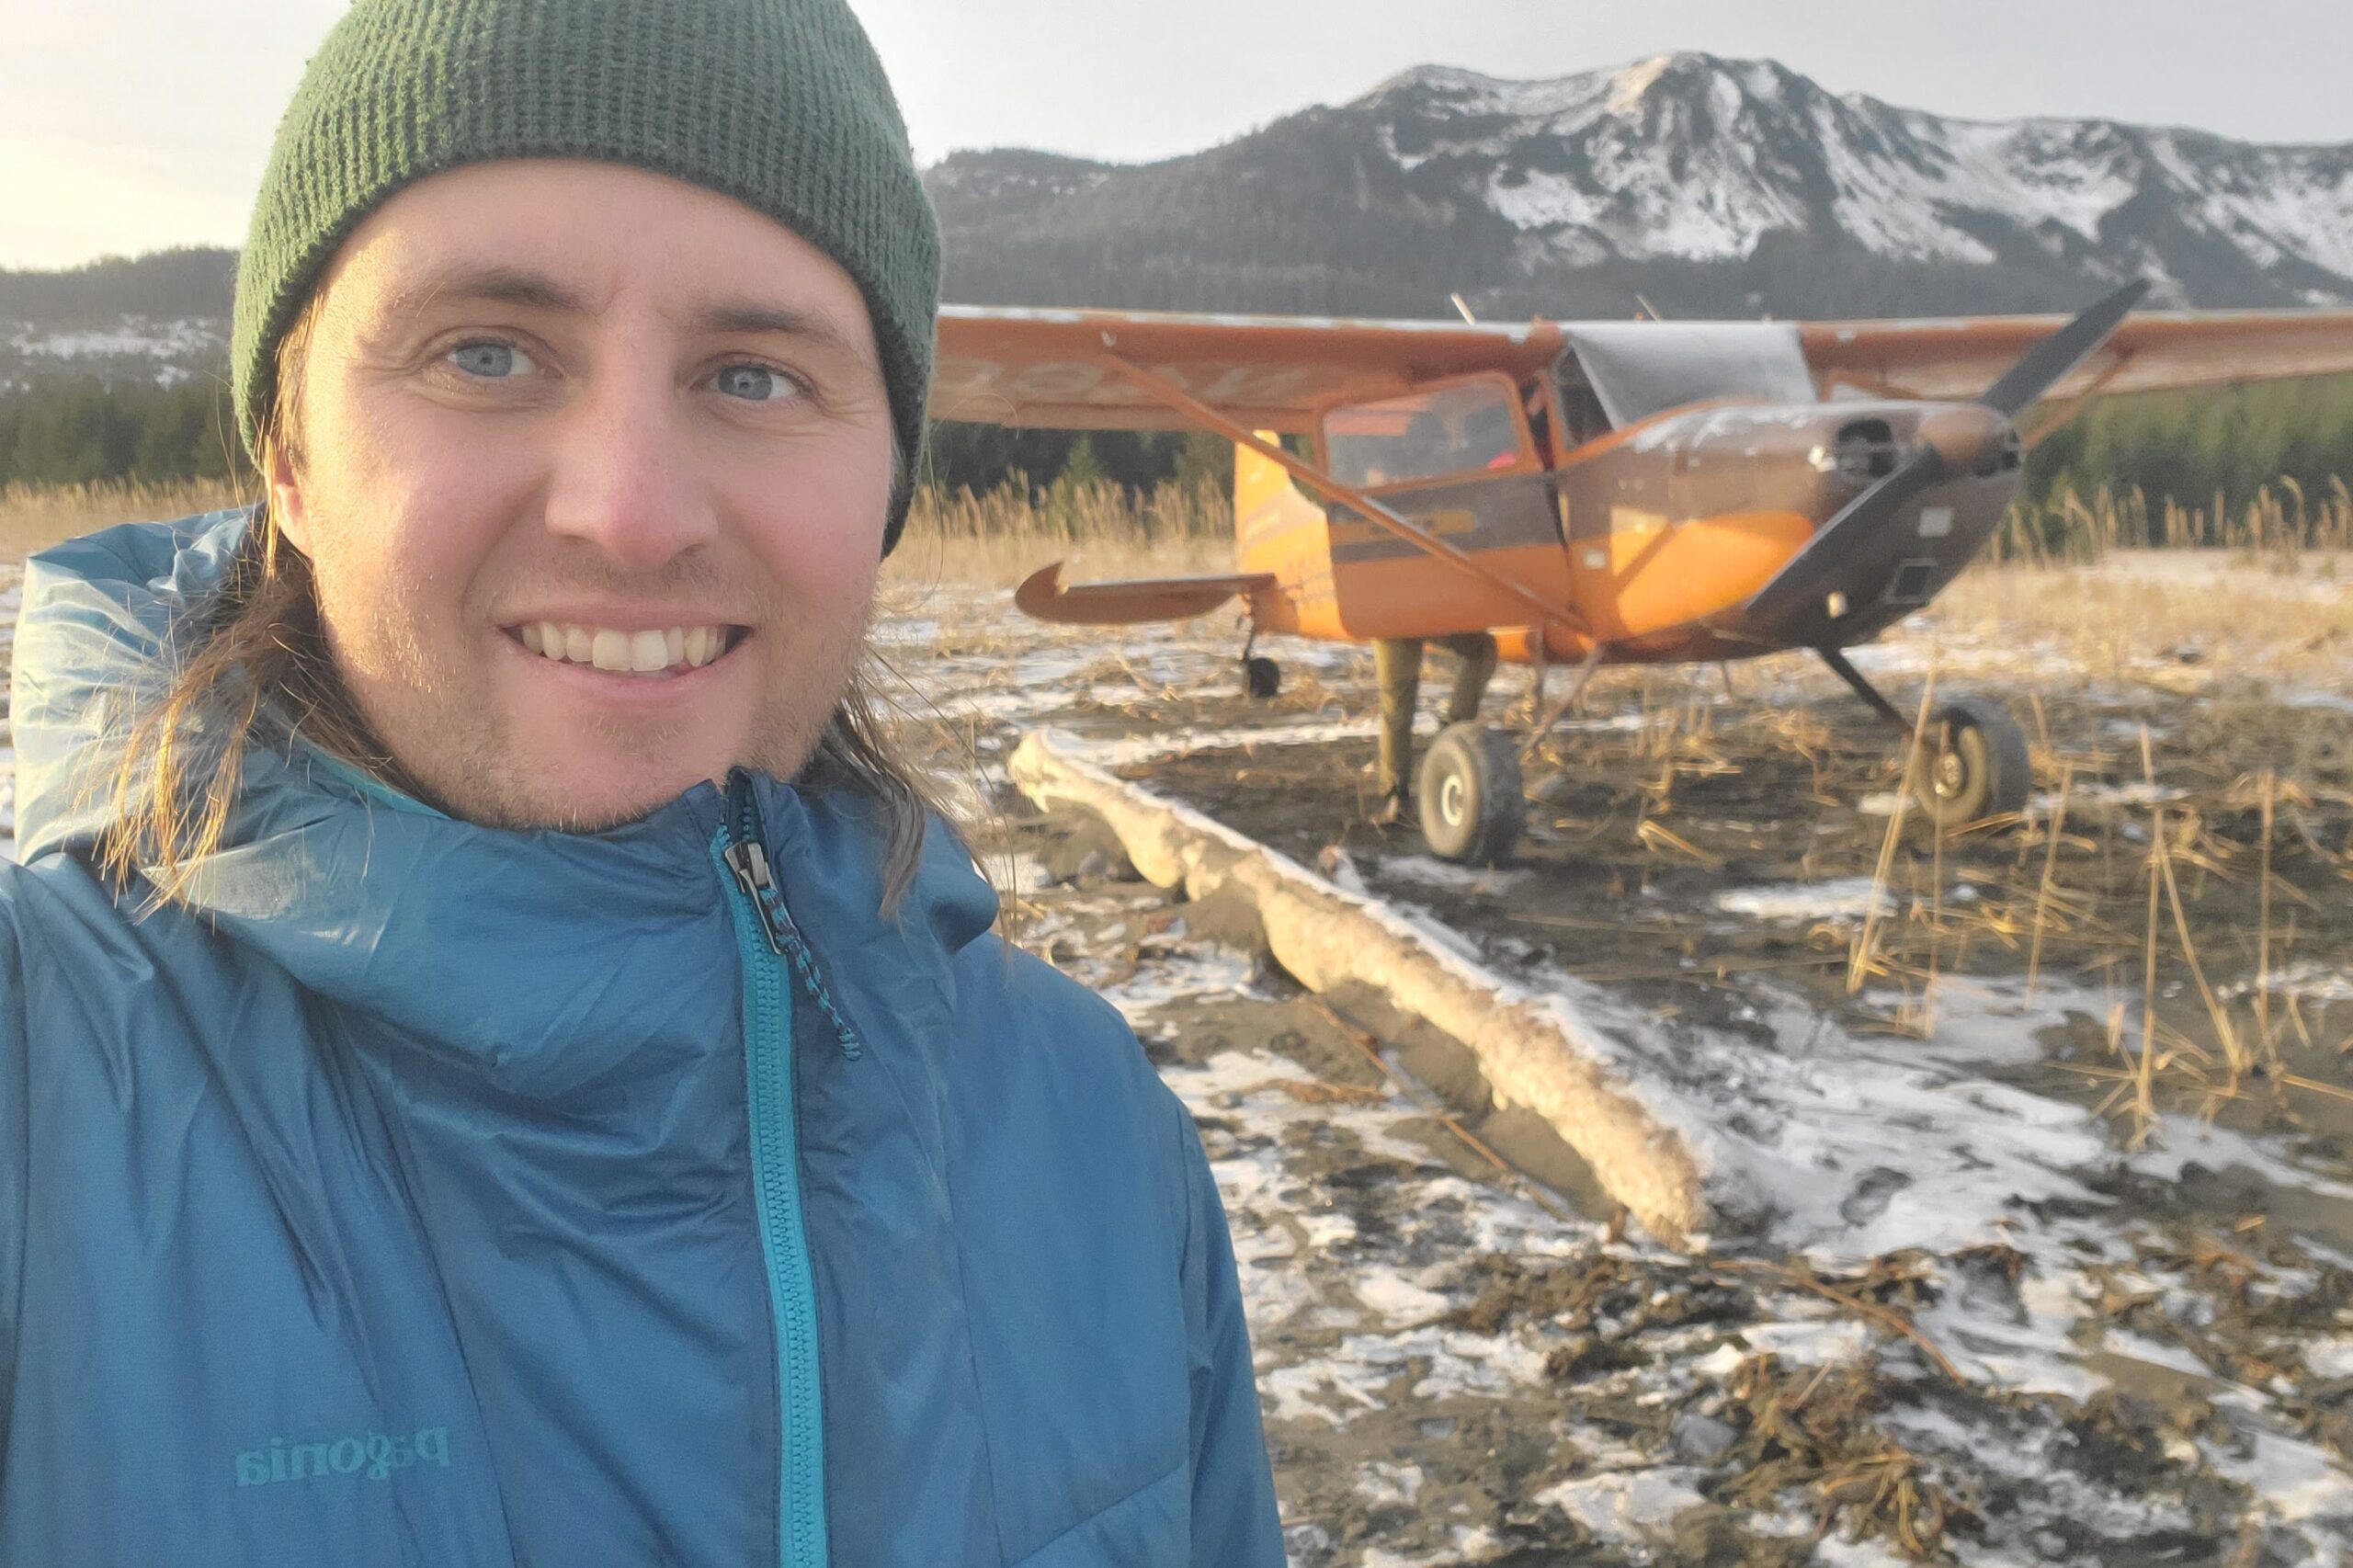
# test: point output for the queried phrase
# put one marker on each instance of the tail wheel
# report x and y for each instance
(1261, 677)
(1471, 808)
(1975, 765)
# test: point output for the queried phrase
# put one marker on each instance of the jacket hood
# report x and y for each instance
(546, 959)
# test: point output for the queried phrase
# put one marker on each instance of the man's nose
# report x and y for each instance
(625, 479)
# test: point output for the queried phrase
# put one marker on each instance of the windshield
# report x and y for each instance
(1468, 427)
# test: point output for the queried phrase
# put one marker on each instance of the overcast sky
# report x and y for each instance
(127, 125)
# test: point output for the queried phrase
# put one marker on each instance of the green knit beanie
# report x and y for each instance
(780, 104)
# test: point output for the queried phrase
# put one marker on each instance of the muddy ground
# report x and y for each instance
(2000, 1298)
(1995, 1300)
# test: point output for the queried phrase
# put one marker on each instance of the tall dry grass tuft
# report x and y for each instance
(34, 516)
(1096, 530)
(2281, 525)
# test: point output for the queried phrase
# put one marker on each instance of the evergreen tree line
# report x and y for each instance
(2192, 447)
(86, 432)
(2196, 448)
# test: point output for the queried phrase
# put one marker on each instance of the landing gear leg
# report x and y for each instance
(1974, 764)
(1587, 670)
(1261, 676)
(1864, 689)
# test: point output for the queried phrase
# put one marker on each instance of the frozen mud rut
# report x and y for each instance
(1955, 1314)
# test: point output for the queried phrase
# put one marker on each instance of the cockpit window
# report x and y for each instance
(1468, 427)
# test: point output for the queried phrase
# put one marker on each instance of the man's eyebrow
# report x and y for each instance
(495, 285)
(750, 316)
(533, 290)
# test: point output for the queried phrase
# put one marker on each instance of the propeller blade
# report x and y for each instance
(2037, 370)
(1796, 581)
(2042, 366)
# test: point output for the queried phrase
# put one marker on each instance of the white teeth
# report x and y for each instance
(624, 652)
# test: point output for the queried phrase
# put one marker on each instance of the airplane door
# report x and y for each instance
(1457, 459)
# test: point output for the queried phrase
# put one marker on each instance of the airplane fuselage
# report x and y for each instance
(1655, 539)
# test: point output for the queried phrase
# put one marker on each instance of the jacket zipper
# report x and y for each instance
(746, 859)
(760, 925)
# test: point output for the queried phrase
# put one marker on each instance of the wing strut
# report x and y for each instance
(1332, 490)
(2059, 414)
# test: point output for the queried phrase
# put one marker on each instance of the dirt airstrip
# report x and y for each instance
(2007, 1297)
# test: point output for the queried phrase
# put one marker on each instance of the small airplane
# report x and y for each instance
(1601, 492)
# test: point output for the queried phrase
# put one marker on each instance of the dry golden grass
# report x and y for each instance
(2282, 519)
(33, 517)
(2134, 607)
(1095, 530)
(1098, 531)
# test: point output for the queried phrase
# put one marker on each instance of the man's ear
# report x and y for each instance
(286, 506)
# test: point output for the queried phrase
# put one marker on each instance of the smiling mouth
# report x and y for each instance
(673, 650)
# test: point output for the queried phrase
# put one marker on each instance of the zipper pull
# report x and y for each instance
(749, 863)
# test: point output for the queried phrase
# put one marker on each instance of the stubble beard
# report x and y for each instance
(449, 745)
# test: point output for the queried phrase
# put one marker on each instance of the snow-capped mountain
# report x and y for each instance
(1710, 186)
(1694, 158)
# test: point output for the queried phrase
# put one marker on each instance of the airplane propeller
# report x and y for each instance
(1952, 442)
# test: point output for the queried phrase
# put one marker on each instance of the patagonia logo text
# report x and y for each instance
(374, 1455)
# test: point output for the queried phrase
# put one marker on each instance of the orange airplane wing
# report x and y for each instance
(1047, 366)
(1957, 358)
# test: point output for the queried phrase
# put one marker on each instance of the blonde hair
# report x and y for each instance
(255, 654)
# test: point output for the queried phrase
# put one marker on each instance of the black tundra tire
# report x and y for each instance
(1976, 766)
(1470, 795)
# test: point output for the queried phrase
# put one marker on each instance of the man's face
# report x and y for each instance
(592, 474)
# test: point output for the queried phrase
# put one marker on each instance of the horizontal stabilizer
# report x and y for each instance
(1042, 597)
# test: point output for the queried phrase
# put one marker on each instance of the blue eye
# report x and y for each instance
(490, 360)
(754, 384)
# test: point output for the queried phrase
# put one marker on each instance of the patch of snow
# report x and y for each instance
(1380, 1482)
(2184, 1141)
(1184, 976)
(1837, 1551)
(1429, 871)
(1627, 1507)
(2307, 982)
(1440, 1363)
(1845, 897)
(2139, 1347)
(1398, 1299)
(1818, 1342)
(2296, 1479)
(133, 338)
(2330, 1358)
(1127, 753)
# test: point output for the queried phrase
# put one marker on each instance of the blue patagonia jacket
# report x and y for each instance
(440, 1197)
